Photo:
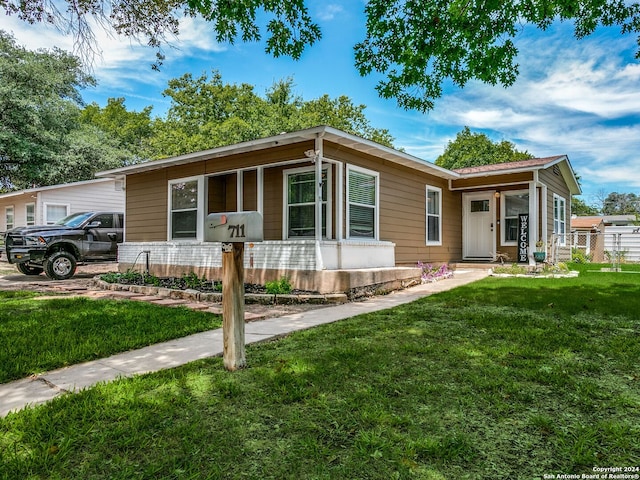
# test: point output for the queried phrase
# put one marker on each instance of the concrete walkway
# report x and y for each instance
(41, 388)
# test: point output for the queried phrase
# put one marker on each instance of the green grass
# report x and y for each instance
(504, 378)
(39, 335)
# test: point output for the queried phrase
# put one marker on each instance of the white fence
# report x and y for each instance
(616, 245)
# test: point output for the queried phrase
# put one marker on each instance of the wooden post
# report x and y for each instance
(233, 305)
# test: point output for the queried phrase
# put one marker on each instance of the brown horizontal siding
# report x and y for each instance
(491, 180)
(403, 209)
(185, 171)
(273, 204)
(260, 158)
(555, 183)
(249, 195)
(402, 192)
(146, 215)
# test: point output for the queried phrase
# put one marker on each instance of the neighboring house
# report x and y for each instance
(46, 205)
(373, 209)
(607, 236)
(608, 220)
(587, 235)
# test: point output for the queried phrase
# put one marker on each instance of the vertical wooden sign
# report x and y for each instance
(523, 238)
(233, 306)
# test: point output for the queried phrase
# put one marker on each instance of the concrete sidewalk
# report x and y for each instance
(39, 389)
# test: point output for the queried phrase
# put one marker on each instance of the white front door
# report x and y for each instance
(478, 222)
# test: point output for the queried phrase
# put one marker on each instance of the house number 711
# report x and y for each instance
(237, 231)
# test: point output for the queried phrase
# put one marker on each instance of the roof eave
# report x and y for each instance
(328, 133)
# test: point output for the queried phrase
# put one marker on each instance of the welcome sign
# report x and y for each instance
(523, 238)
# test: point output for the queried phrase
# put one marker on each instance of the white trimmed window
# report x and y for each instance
(300, 206)
(186, 199)
(434, 215)
(54, 212)
(513, 204)
(9, 219)
(560, 218)
(30, 212)
(363, 196)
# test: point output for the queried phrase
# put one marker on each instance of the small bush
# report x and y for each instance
(578, 256)
(278, 287)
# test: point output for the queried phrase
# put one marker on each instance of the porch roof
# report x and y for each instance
(323, 132)
(587, 223)
(532, 164)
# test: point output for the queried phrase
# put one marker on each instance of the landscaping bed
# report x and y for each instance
(200, 289)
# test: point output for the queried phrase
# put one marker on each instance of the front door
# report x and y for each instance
(478, 238)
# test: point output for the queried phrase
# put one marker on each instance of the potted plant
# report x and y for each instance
(539, 255)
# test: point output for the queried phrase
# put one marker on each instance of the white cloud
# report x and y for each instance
(578, 98)
(329, 11)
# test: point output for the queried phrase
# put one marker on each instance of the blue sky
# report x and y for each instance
(575, 97)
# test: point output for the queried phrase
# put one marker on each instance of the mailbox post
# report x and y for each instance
(233, 229)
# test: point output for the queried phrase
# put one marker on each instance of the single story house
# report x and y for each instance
(607, 220)
(47, 205)
(587, 235)
(339, 211)
(601, 237)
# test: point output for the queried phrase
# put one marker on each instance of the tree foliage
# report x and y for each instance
(48, 137)
(130, 130)
(289, 28)
(205, 113)
(416, 45)
(39, 98)
(621, 204)
(580, 207)
(471, 149)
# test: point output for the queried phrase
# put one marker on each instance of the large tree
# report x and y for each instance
(39, 106)
(416, 45)
(129, 130)
(621, 204)
(470, 149)
(580, 207)
(205, 113)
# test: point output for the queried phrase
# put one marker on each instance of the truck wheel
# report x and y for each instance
(60, 266)
(28, 269)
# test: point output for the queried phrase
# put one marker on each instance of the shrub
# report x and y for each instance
(278, 287)
(578, 256)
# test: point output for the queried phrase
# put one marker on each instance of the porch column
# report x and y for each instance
(544, 216)
(318, 217)
(260, 190)
(533, 219)
(239, 190)
(340, 201)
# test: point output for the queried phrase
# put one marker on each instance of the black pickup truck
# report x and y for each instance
(56, 249)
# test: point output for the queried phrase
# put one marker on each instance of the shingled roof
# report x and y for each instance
(522, 164)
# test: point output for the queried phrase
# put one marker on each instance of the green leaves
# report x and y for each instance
(474, 149)
(419, 45)
(39, 97)
(206, 113)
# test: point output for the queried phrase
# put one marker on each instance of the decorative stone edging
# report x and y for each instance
(570, 274)
(216, 297)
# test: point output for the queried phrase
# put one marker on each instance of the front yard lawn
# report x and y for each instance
(505, 378)
(39, 335)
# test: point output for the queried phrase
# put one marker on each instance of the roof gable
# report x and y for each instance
(519, 165)
(532, 164)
